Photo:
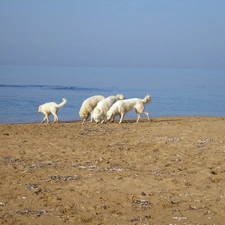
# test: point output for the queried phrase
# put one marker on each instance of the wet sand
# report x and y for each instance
(167, 171)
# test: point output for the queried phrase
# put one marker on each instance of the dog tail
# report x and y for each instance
(147, 99)
(62, 103)
(120, 97)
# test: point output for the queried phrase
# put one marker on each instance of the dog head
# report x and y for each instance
(84, 115)
(40, 109)
(97, 114)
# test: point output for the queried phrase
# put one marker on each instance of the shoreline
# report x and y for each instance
(167, 171)
(116, 120)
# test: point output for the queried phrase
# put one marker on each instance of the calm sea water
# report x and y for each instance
(174, 92)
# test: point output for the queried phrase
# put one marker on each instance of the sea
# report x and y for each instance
(174, 92)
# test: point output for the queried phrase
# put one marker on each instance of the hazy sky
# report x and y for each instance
(113, 33)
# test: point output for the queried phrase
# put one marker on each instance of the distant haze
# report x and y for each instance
(113, 33)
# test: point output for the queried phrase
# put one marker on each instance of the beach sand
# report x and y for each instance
(167, 171)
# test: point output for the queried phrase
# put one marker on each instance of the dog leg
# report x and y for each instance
(56, 119)
(45, 118)
(91, 118)
(147, 115)
(138, 116)
(121, 118)
(104, 120)
(48, 121)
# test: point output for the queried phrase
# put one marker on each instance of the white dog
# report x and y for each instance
(100, 111)
(123, 106)
(51, 108)
(88, 106)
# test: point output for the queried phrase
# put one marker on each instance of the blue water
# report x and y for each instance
(175, 92)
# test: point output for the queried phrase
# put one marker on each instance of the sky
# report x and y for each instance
(113, 33)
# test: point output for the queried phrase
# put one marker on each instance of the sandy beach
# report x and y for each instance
(167, 171)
